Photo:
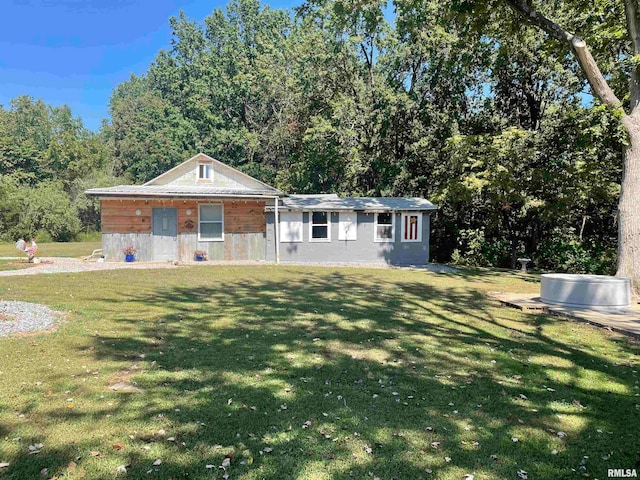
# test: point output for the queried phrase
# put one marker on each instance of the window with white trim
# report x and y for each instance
(412, 227)
(290, 227)
(205, 171)
(211, 223)
(384, 227)
(347, 226)
(319, 226)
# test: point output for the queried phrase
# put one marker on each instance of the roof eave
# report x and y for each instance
(349, 209)
(103, 194)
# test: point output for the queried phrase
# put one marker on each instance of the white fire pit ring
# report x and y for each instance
(595, 292)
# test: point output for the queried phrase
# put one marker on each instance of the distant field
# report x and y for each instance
(71, 249)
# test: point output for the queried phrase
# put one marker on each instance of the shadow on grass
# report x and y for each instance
(353, 377)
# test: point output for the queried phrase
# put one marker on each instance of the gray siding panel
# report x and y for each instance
(236, 246)
(361, 250)
(112, 244)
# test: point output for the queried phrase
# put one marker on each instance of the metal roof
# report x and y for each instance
(332, 202)
(176, 191)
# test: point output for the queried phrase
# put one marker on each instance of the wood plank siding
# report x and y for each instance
(240, 216)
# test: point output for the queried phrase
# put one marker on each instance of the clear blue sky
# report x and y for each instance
(75, 52)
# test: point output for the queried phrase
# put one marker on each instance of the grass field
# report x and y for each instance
(310, 373)
(14, 265)
(57, 249)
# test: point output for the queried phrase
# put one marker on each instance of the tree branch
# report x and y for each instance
(579, 47)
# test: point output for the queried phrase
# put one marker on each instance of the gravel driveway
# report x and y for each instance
(19, 317)
(68, 265)
(65, 265)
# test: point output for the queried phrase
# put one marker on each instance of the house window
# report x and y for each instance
(347, 226)
(211, 223)
(290, 227)
(205, 171)
(412, 227)
(384, 227)
(320, 227)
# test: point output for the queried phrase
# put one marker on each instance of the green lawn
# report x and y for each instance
(14, 264)
(310, 373)
(57, 249)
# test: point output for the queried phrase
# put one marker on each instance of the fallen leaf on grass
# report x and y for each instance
(117, 446)
(95, 453)
(157, 462)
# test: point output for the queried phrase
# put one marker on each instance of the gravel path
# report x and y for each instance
(18, 317)
(70, 265)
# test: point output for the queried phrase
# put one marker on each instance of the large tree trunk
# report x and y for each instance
(629, 206)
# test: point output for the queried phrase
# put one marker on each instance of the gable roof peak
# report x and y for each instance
(199, 157)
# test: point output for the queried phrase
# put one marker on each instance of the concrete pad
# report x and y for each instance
(625, 321)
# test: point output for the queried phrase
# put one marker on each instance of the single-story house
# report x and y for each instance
(205, 205)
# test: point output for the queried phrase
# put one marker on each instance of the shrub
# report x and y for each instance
(477, 251)
(565, 252)
(48, 208)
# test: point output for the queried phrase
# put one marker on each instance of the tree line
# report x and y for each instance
(460, 102)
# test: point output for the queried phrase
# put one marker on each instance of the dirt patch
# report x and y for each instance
(121, 381)
(124, 387)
